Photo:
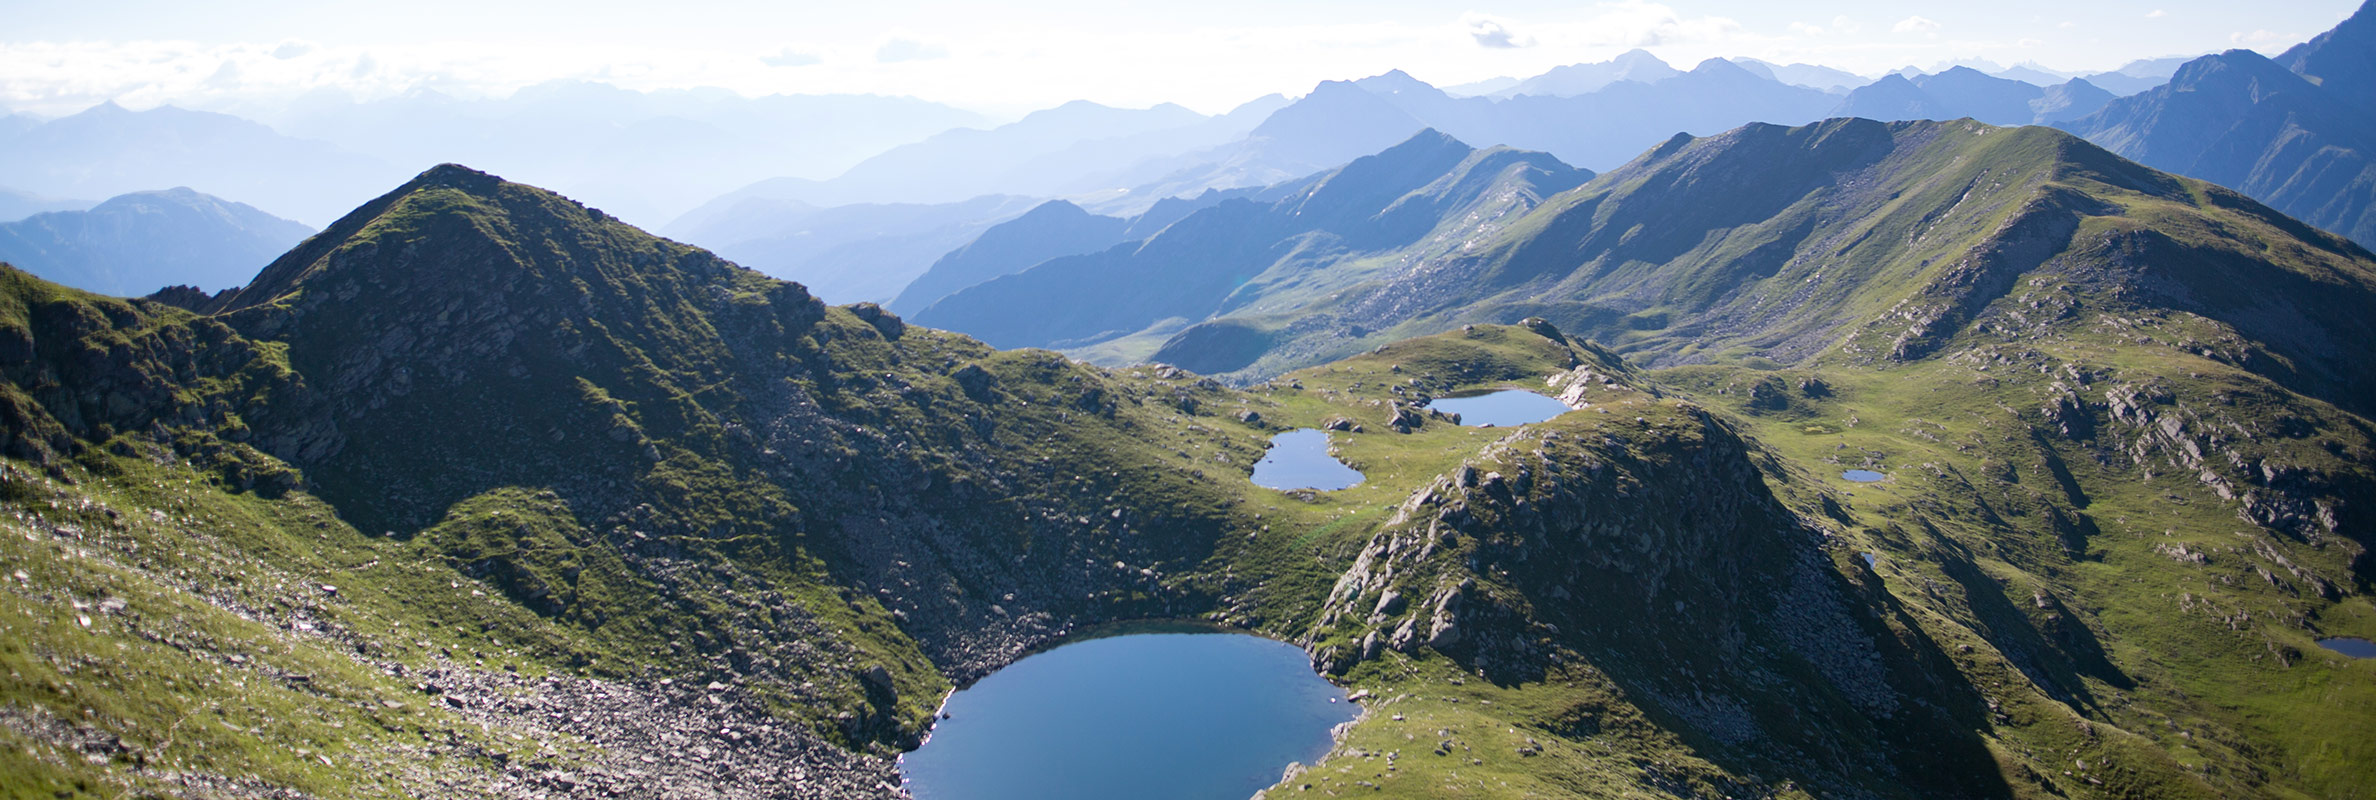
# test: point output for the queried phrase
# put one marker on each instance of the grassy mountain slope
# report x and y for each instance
(1857, 230)
(480, 493)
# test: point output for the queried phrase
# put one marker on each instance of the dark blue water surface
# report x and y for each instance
(1862, 475)
(2352, 646)
(1164, 716)
(1299, 459)
(1501, 409)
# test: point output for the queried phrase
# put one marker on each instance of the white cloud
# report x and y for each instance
(1844, 25)
(899, 49)
(2155, 14)
(2030, 44)
(1923, 25)
(1806, 29)
(291, 48)
(792, 57)
(1494, 33)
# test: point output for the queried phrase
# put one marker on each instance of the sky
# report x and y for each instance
(60, 56)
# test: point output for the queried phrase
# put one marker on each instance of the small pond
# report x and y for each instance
(1501, 409)
(2352, 646)
(1863, 476)
(1299, 459)
(1164, 716)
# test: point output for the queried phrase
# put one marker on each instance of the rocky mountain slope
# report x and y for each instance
(139, 243)
(482, 493)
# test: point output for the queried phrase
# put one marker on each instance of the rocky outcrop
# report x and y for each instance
(1651, 550)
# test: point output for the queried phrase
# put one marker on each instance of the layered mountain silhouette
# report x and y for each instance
(1769, 235)
(1965, 92)
(108, 150)
(861, 252)
(139, 243)
(1428, 188)
(1075, 148)
(16, 205)
(2297, 132)
(646, 156)
(1638, 66)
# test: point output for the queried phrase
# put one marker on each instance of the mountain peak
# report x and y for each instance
(1395, 82)
(1717, 67)
(454, 176)
(465, 209)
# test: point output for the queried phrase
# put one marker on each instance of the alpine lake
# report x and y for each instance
(1154, 711)
(1502, 408)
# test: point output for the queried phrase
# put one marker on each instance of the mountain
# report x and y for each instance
(1481, 88)
(1606, 128)
(2033, 74)
(16, 205)
(2301, 142)
(1052, 229)
(1076, 148)
(2139, 75)
(2069, 100)
(1431, 186)
(483, 493)
(1575, 79)
(645, 156)
(108, 150)
(853, 253)
(2338, 60)
(1598, 261)
(1343, 120)
(1965, 92)
(1807, 75)
(138, 243)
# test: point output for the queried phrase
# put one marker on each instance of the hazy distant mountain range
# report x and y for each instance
(138, 243)
(698, 160)
(16, 205)
(1431, 189)
(847, 254)
(109, 150)
(653, 156)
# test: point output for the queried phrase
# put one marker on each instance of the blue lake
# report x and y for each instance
(1501, 409)
(2352, 646)
(1161, 716)
(1863, 475)
(1299, 459)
